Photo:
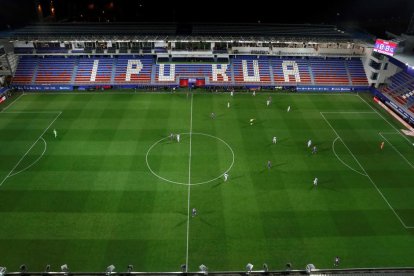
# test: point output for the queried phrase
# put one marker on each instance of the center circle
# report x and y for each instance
(205, 160)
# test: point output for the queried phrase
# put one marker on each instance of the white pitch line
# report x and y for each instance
(343, 162)
(11, 103)
(185, 183)
(28, 167)
(98, 93)
(189, 186)
(385, 119)
(352, 112)
(370, 179)
(31, 112)
(406, 160)
(142, 92)
(8, 175)
(309, 93)
(390, 133)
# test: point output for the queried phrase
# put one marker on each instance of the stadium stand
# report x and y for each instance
(401, 89)
(332, 71)
(25, 70)
(251, 70)
(93, 70)
(299, 67)
(133, 70)
(241, 71)
(357, 72)
(54, 70)
(216, 73)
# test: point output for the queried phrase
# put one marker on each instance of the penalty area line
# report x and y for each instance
(396, 150)
(367, 175)
(343, 162)
(379, 114)
(37, 160)
(21, 159)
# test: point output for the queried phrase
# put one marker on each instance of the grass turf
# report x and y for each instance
(88, 198)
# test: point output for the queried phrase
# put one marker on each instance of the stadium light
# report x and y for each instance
(203, 269)
(110, 269)
(64, 268)
(310, 268)
(249, 268)
(3, 270)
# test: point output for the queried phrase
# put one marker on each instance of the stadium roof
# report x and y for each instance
(285, 30)
(408, 59)
(95, 29)
(172, 31)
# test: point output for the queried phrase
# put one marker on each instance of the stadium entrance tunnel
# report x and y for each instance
(195, 159)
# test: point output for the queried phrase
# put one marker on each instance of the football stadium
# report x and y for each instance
(232, 149)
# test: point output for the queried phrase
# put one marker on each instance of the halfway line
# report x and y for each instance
(189, 185)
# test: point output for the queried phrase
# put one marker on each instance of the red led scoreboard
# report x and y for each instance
(385, 47)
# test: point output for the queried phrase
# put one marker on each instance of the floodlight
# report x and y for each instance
(203, 269)
(110, 269)
(3, 270)
(249, 268)
(64, 268)
(310, 268)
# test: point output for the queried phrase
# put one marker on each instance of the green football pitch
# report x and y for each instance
(113, 188)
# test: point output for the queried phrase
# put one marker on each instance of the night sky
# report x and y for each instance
(375, 16)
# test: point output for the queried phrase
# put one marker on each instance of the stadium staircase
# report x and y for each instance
(231, 72)
(312, 77)
(75, 71)
(272, 76)
(153, 70)
(348, 73)
(114, 64)
(35, 69)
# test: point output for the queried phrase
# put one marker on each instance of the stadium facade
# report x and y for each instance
(293, 57)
